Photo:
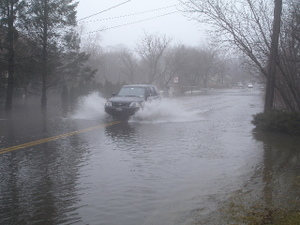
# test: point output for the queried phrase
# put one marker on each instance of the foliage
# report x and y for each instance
(48, 23)
(9, 10)
(278, 121)
(40, 48)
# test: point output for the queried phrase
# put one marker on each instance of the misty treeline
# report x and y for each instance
(41, 49)
(155, 59)
(267, 33)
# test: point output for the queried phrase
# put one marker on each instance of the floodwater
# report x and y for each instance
(178, 162)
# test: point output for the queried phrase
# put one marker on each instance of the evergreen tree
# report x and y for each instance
(47, 23)
(9, 10)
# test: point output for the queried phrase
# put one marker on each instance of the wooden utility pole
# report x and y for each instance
(270, 89)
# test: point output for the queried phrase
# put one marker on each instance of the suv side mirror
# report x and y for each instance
(148, 96)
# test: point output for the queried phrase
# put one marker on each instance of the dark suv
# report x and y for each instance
(130, 99)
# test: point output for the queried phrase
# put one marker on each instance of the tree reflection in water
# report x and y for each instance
(273, 193)
(38, 185)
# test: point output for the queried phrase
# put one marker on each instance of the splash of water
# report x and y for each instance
(90, 107)
(166, 110)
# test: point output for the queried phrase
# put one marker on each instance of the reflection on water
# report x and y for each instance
(164, 169)
(10, 134)
(281, 169)
(37, 187)
(122, 130)
(38, 184)
(274, 189)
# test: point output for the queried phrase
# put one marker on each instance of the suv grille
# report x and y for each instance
(121, 104)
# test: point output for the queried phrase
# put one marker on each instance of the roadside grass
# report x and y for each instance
(237, 214)
(244, 208)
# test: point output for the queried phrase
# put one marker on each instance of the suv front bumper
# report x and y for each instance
(121, 111)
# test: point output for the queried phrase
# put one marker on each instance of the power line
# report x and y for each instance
(115, 6)
(131, 23)
(132, 14)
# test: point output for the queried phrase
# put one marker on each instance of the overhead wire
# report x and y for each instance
(132, 14)
(115, 6)
(131, 23)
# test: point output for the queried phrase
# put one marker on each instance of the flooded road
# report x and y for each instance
(177, 162)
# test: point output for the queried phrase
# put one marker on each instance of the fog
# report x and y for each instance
(127, 22)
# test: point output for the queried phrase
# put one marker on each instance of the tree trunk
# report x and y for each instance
(270, 89)
(10, 85)
(44, 92)
(45, 57)
(65, 100)
(10, 80)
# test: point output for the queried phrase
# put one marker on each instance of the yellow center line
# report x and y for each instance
(41, 141)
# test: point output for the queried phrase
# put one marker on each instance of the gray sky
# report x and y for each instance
(151, 16)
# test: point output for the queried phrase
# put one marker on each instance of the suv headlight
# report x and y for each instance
(135, 104)
(108, 104)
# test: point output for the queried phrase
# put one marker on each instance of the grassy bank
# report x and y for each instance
(278, 122)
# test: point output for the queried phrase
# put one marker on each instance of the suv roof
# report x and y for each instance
(138, 85)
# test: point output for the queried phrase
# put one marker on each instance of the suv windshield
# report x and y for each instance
(132, 92)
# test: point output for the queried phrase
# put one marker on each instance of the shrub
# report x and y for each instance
(278, 121)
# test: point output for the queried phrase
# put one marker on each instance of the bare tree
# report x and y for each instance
(92, 46)
(246, 24)
(201, 65)
(210, 65)
(128, 65)
(151, 50)
(174, 60)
